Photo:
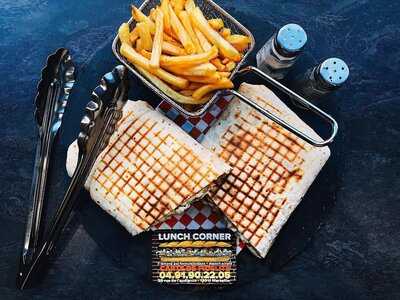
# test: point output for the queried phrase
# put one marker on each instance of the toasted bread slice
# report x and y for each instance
(150, 169)
(272, 168)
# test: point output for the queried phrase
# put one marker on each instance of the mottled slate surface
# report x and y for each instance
(354, 253)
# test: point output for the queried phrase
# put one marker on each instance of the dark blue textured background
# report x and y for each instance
(354, 254)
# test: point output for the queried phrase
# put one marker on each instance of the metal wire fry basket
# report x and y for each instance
(212, 10)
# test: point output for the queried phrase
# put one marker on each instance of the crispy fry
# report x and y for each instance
(225, 61)
(189, 5)
(171, 49)
(145, 36)
(205, 44)
(184, 17)
(180, 31)
(123, 33)
(152, 14)
(225, 32)
(224, 74)
(165, 10)
(223, 83)
(168, 90)
(138, 60)
(145, 53)
(133, 35)
(170, 39)
(175, 36)
(216, 24)
(178, 5)
(194, 86)
(130, 54)
(206, 69)
(189, 60)
(158, 40)
(230, 66)
(239, 38)
(204, 79)
(227, 50)
(139, 45)
(240, 42)
(138, 16)
(186, 92)
(240, 47)
(218, 64)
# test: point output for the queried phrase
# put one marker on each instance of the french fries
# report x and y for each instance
(186, 92)
(152, 14)
(133, 36)
(183, 54)
(223, 83)
(204, 79)
(227, 50)
(139, 47)
(172, 49)
(180, 31)
(224, 74)
(189, 60)
(169, 38)
(185, 19)
(216, 24)
(230, 66)
(205, 69)
(199, 70)
(205, 44)
(218, 64)
(137, 59)
(240, 42)
(158, 40)
(194, 86)
(124, 34)
(189, 5)
(145, 36)
(178, 5)
(165, 88)
(138, 16)
(225, 32)
(165, 9)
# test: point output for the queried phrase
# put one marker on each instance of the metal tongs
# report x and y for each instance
(97, 126)
(57, 80)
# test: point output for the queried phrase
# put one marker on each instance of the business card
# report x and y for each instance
(194, 257)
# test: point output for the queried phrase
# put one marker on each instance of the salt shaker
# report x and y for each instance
(322, 79)
(282, 50)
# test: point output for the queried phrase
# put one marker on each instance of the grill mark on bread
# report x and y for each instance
(153, 154)
(264, 160)
(280, 182)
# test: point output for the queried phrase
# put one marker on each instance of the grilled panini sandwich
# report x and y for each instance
(150, 169)
(272, 168)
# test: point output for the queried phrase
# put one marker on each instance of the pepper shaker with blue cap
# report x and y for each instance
(282, 50)
(322, 79)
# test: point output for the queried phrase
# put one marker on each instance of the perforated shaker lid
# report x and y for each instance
(291, 38)
(334, 71)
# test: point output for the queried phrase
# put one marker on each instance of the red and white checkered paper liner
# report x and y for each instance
(199, 215)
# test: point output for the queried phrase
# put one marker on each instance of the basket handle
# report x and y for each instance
(327, 118)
